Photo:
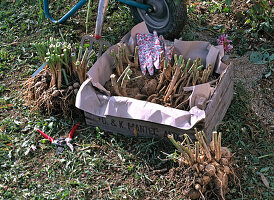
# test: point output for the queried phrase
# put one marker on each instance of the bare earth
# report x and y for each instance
(251, 75)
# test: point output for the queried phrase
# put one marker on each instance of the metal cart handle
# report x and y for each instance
(66, 16)
(145, 7)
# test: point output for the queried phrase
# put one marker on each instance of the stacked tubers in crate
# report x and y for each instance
(165, 87)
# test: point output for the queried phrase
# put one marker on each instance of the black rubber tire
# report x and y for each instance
(170, 25)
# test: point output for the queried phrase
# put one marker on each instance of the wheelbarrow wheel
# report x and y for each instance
(167, 17)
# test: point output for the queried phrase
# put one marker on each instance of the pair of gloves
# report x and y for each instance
(150, 48)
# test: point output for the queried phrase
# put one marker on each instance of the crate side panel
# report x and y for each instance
(220, 111)
(223, 98)
(131, 127)
(221, 88)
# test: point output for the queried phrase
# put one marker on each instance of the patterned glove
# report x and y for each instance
(168, 47)
(150, 48)
(149, 52)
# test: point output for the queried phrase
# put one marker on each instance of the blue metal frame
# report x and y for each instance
(145, 7)
(66, 16)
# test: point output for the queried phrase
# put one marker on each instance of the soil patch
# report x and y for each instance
(259, 87)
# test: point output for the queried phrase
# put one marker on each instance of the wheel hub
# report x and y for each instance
(158, 17)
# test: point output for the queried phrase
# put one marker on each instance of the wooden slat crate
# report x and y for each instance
(215, 111)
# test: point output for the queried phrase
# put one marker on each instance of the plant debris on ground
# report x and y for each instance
(107, 165)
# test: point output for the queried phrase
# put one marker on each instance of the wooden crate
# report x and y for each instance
(215, 111)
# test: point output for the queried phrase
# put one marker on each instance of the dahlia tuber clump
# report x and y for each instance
(210, 164)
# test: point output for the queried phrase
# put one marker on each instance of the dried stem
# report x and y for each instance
(65, 76)
(136, 57)
(173, 81)
(162, 76)
(116, 63)
(205, 138)
(201, 140)
(182, 149)
(59, 75)
(126, 57)
(214, 141)
(197, 151)
(195, 78)
(53, 75)
(114, 84)
(219, 153)
(188, 147)
(120, 58)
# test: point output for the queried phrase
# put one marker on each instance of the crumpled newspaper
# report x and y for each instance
(150, 48)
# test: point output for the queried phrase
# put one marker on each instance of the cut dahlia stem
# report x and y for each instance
(177, 84)
(116, 63)
(180, 60)
(123, 73)
(120, 59)
(213, 141)
(80, 53)
(114, 84)
(204, 76)
(185, 152)
(65, 76)
(196, 77)
(197, 152)
(200, 138)
(205, 138)
(73, 62)
(127, 57)
(162, 76)
(136, 57)
(219, 146)
(163, 88)
(208, 72)
(173, 81)
(189, 148)
(192, 66)
(125, 80)
(175, 59)
(187, 140)
(59, 75)
(187, 65)
(199, 61)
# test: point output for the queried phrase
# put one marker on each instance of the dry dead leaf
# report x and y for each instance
(265, 181)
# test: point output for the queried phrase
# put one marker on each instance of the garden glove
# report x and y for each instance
(149, 52)
(168, 48)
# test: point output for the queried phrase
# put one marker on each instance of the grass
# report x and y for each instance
(104, 165)
(250, 141)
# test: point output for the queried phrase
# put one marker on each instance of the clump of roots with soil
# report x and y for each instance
(209, 166)
(54, 89)
(166, 87)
